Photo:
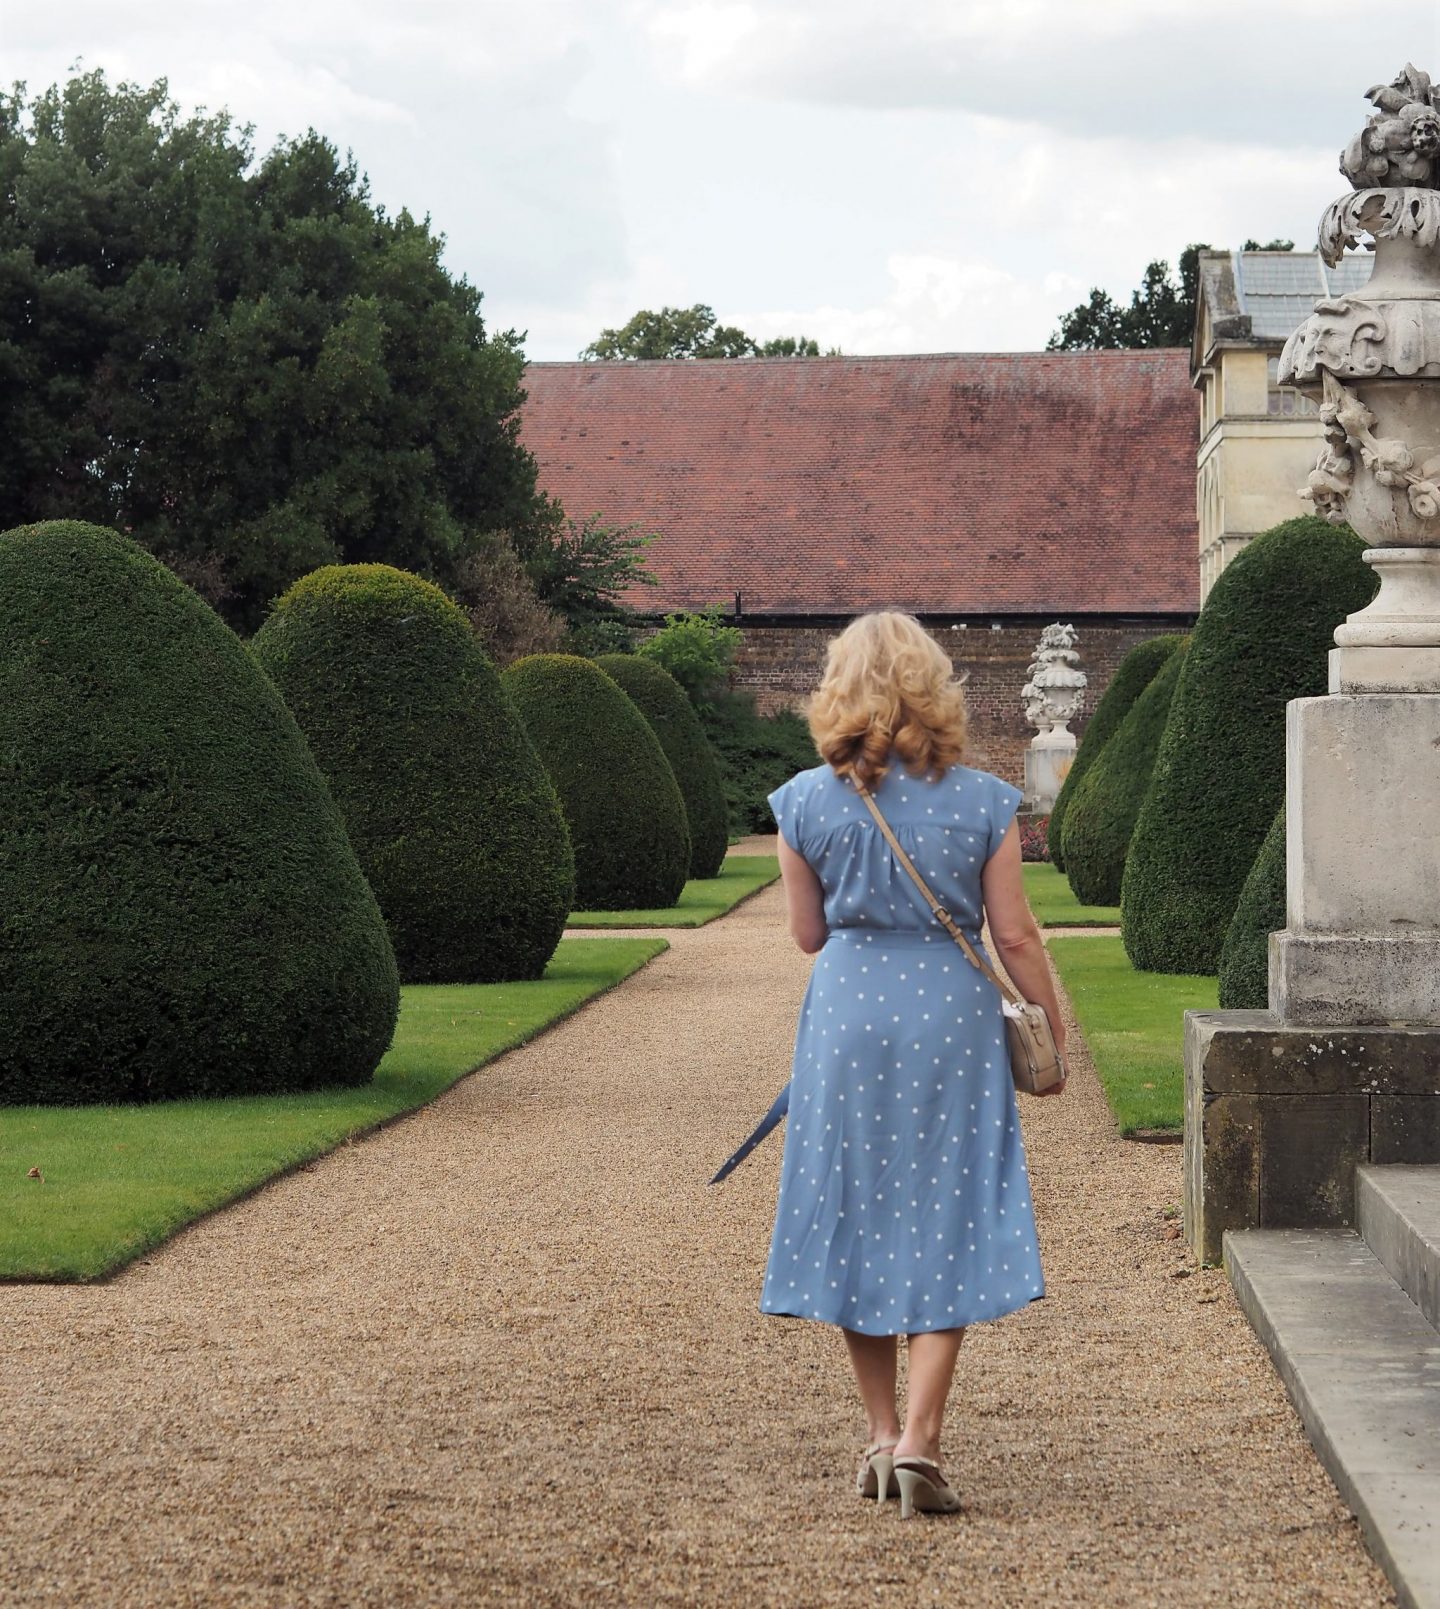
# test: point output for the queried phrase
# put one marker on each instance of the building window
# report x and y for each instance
(1285, 401)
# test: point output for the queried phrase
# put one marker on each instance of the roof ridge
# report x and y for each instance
(852, 357)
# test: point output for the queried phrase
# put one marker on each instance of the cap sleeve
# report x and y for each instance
(785, 806)
(1000, 808)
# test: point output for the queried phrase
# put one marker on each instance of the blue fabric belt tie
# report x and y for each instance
(778, 1108)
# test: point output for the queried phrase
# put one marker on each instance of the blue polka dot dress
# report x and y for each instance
(904, 1199)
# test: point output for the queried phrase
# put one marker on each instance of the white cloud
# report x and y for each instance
(462, 111)
(1016, 233)
(932, 304)
(1217, 68)
(935, 173)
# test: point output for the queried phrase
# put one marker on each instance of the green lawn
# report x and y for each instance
(1055, 906)
(701, 900)
(118, 1180)
(1134, 1024)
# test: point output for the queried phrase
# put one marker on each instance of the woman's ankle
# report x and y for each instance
(913, 1445)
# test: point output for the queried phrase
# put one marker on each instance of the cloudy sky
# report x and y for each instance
(908, 176)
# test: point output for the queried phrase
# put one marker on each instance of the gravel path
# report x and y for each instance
(508, 1351)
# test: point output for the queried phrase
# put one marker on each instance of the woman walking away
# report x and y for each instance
(904, 1204)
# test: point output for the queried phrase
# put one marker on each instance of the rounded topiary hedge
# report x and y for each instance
(1261, 640)
(1245, 959)
(619, 795)
(663, 702)
(1102, 812)
(181, 913)
(452, 814)
(1132, 676)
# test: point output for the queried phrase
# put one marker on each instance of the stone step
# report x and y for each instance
(1398, 1211)
(1362, 1367)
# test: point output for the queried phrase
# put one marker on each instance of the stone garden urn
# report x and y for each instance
(1053, 697)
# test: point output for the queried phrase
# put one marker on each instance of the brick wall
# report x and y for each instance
(780, 664)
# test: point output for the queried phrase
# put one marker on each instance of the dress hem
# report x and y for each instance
(987, 1317)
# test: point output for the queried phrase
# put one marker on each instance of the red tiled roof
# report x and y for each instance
(964, 483)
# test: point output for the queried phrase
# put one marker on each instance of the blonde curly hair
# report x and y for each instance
(889, 691)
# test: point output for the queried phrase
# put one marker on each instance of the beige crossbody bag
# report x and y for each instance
(1035, 1063)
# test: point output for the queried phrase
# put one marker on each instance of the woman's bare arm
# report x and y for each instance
(804, 899)
(1014, 933)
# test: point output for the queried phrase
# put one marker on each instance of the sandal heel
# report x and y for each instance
(908, 1480)
(883, 1465)
(924, 1490)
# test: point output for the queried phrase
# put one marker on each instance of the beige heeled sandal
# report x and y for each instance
(873, 1479)
(923, 1488)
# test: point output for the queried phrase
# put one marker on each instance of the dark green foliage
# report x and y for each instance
(1245, 960)
(1103, 809)
(621, 800)
(698, 649)
(757, 753)
(246, 364)
(662, 701)
(450, 810)
(1161, 313)
(1132, 676)
(583, 570)
(1261, 640)
(181, 913)
(692, 332)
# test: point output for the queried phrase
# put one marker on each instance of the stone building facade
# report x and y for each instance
(1258, 439)
(988, 494)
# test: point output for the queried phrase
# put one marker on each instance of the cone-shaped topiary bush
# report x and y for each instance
(1261, 640)
(1245, 959)
(663, 702)
(450, 810)
(620, 797)
(1102, 812)
(181, 913)
(1132, 676)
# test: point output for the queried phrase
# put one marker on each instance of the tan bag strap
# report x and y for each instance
(937, 909)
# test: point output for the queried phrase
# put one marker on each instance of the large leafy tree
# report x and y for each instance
(1161, 311)
(693, 332)
(246, 364)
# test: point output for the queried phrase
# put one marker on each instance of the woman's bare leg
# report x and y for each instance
(932, 1368)
(873, 1359)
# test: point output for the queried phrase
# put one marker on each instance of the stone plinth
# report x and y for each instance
(1047, 763)
(1385, 670)
(1362, 787)
(1278, 1117)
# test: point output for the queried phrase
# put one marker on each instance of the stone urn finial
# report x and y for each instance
(1055, 692)
(1372, 359)
(1052, 698)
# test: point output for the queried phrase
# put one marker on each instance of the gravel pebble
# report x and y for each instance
(508, 1350)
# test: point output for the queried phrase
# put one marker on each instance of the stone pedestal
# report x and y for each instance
(1362, 827)
(1281, 1106)
(1278, 1117)
(1047, 764)
(1344, 1068)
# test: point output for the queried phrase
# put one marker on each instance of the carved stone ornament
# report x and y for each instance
(1372, 361)
(1349, 435)
(1055, 692)
(1407, 214)
(1361, 336)
(1401, 142)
